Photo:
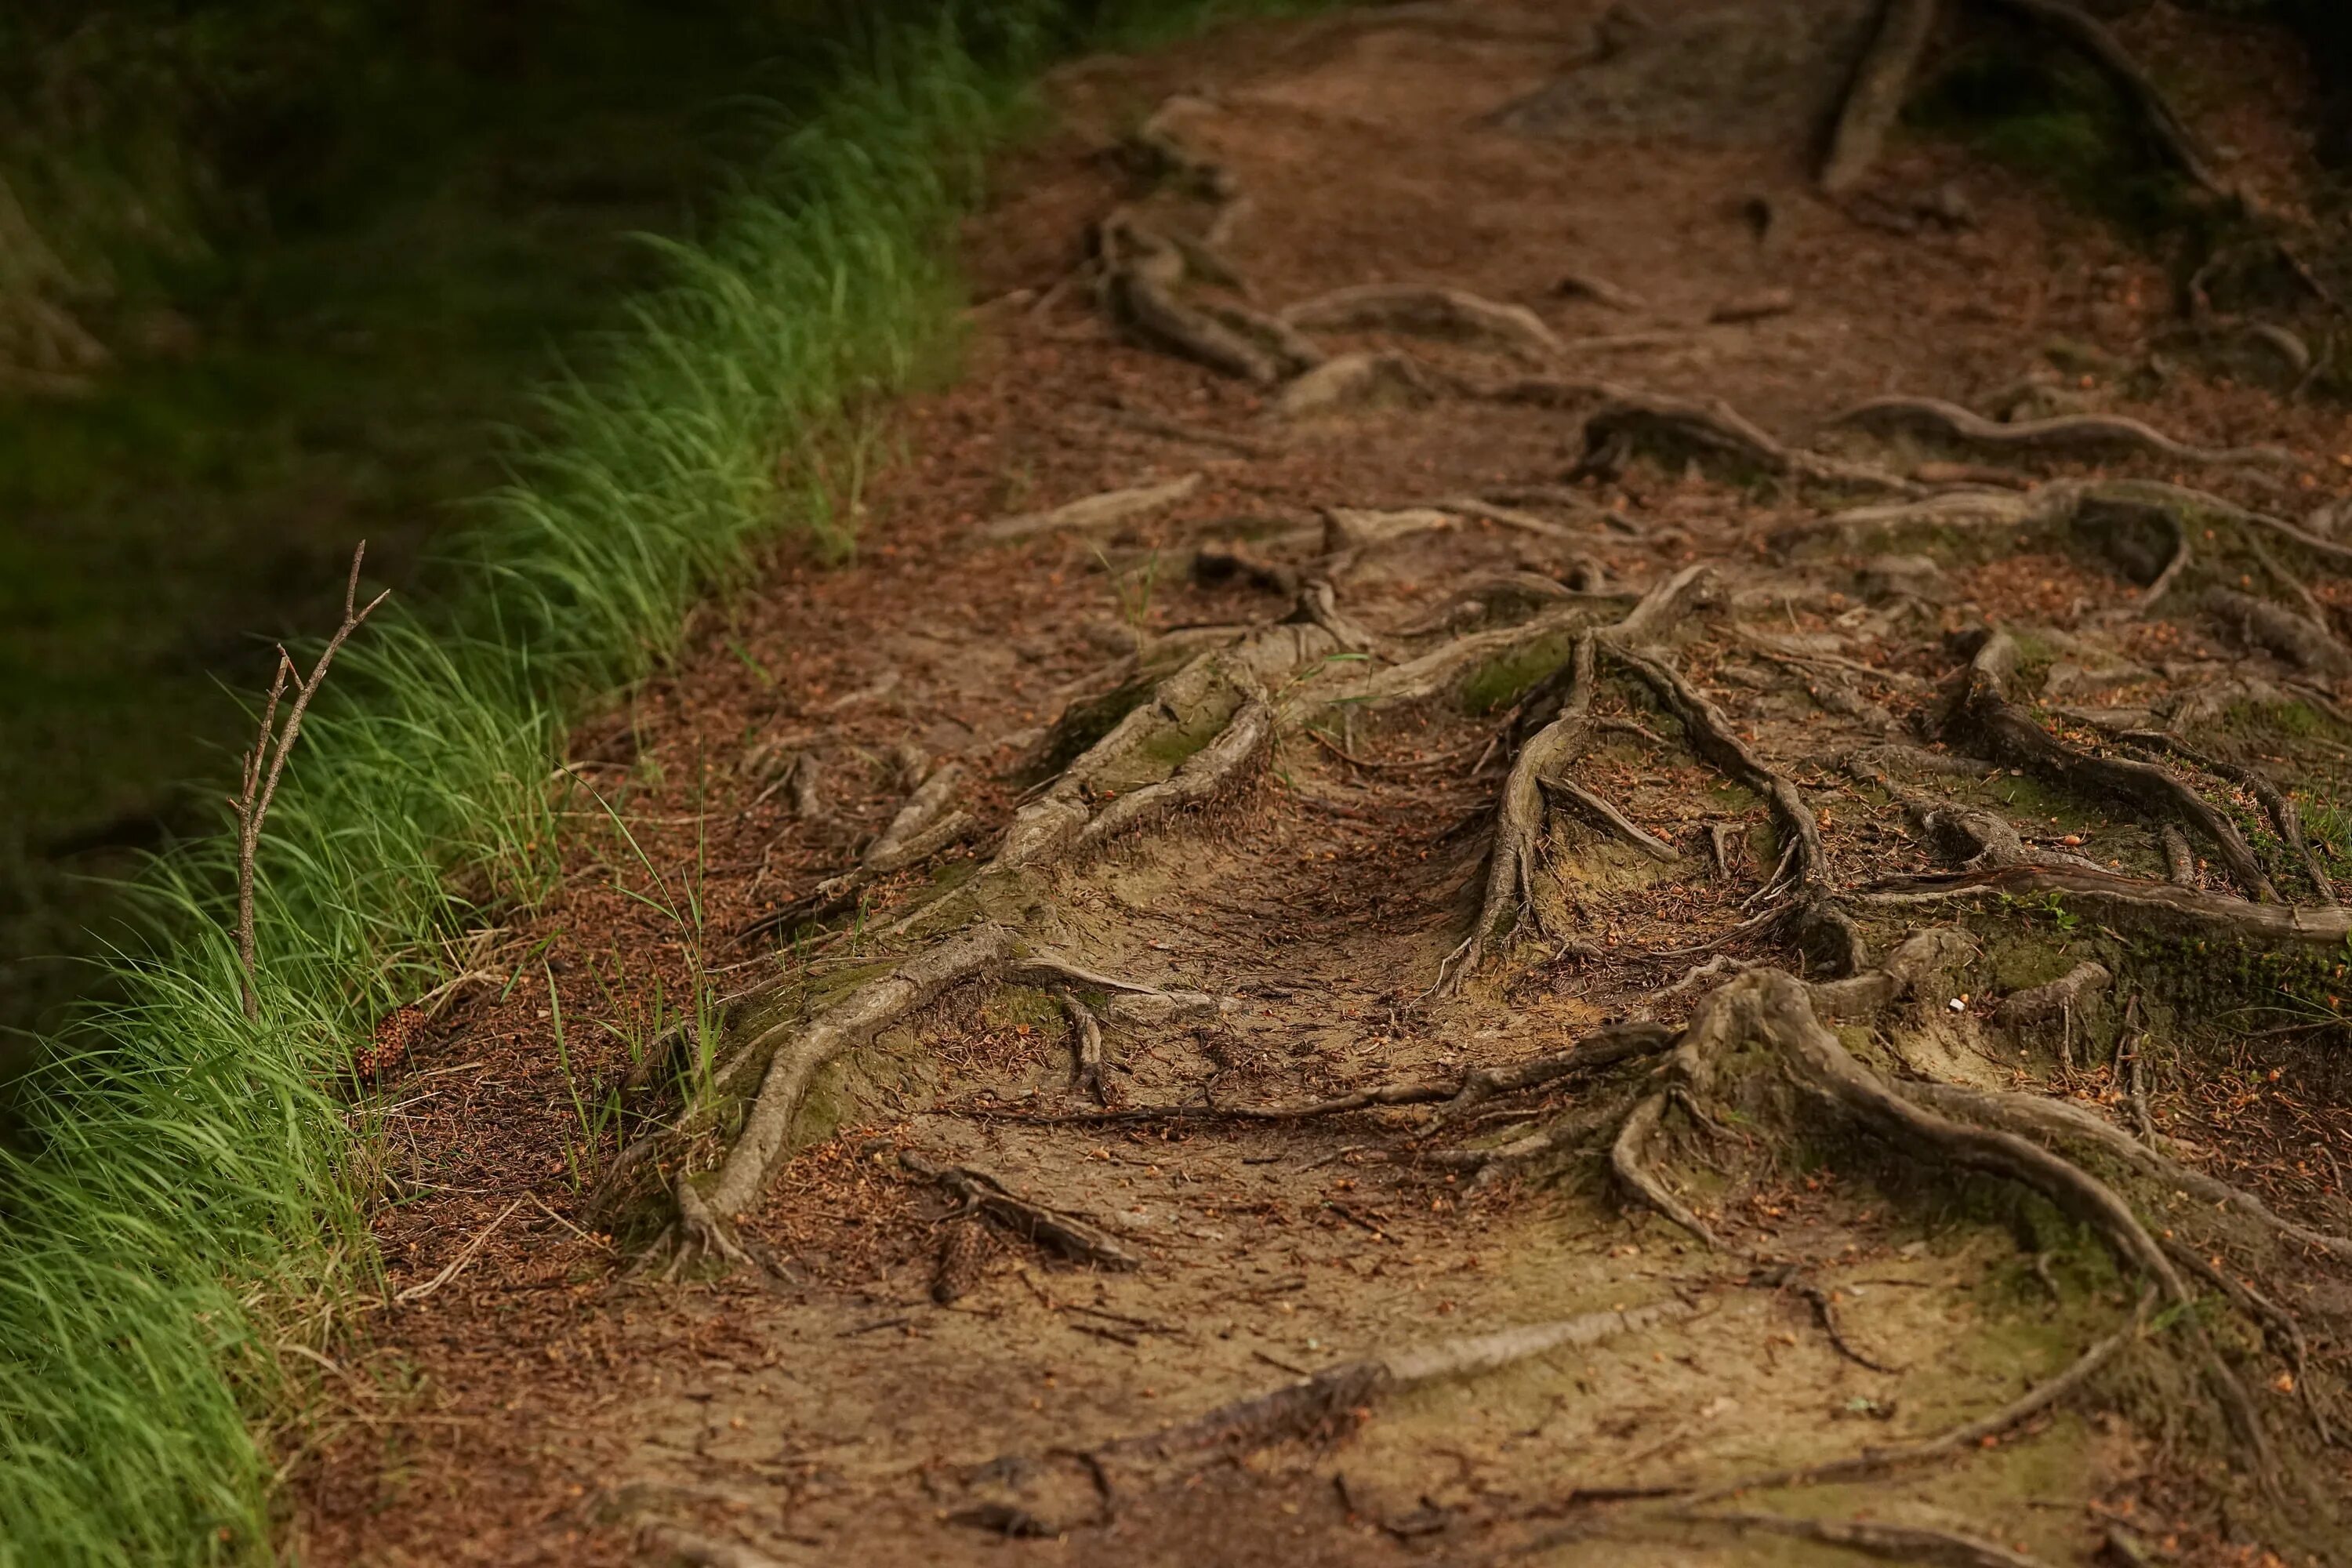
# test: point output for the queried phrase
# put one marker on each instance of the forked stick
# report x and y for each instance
(266, 762)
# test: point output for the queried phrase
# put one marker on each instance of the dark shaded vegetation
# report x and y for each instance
(280, 272)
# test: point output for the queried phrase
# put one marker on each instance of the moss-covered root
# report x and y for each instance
(1757, 1046)
(1988, 721)
(704, 1214)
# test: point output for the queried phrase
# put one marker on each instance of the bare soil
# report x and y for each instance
(1809, 754)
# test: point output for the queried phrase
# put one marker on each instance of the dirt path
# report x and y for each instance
(1469, 961)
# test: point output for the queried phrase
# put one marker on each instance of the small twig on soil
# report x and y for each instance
(981, 1193)
(1877, 1538)
(457, 1265)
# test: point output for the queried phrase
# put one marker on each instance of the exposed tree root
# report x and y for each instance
(2279, 1328)
(1357, 383)
(1974, 839)
(2086, 34)
(2058, 999)
(1434, 312)
(806, 1049)
(1599, 810)
(702, 1550)
(1986, 716)
(1141, 271)
(1629, 1162)
(1327, 1403)
(2132, 904)
(2082, 435)
(1873, 99)
(2284, 816)
(978, 1192)
(957, 1269)
(2063, 1121)
(1512, 864)
(1514, 861)
(2298, 639)
(1599, 290)
(1877, 1537)
(1455, 1095)
(2179, 861)
(1712, 434)
(923, 827)
(1092, 512)
(1801, 881)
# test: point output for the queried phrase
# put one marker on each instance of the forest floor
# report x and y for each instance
(1782, 969)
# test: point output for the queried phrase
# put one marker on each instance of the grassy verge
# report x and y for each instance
(178, 1229)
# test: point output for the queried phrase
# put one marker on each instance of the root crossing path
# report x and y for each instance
(1527, 835)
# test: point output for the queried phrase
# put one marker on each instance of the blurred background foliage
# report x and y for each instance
(274, 275)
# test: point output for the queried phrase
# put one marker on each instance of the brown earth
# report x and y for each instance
(1780, 1219)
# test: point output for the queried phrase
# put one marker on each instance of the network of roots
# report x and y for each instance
(1754, 787)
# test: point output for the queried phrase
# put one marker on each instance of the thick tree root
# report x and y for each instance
(923, 827)
(2064, 1122)
(793, 1063)
(1511, 866)
(679, 1545)
(1454, 1095)
(1986, 716)
(2075, 435)
(1714, 434)
(1141, 271)
(2087, 36)
(2298, 639)
(1321, 1408)
(1609, 816)
(2058, 999)
(1087, 1050)
(1094, 512)
(1356, 383)
(1873, 99)
(1327, 1403)
(2129, 903)
(2279, 1328)
(2284, 816)
(1513, 862)
(1431, 313)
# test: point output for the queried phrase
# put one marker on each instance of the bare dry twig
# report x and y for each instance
(266, 763)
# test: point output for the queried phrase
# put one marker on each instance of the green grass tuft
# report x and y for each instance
(183, 1216)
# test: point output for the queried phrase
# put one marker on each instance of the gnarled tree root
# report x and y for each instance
(704, 1214)
(1712, 433)
(2075, 435)
(923, 827)
(1986, 716)
(1434, 312)
(1771, 1013)
(2129, 903)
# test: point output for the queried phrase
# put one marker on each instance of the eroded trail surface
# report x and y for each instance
(1514, 844)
